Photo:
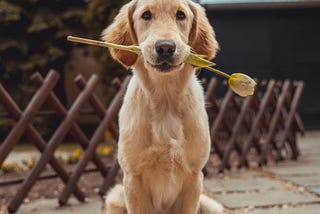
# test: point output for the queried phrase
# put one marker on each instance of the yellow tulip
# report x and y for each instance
(240, 83)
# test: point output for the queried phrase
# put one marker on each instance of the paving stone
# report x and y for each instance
(240, 183)
(50, 206)
(295, 169)
(315, 189)
(307, 209)
(312, 157)
(307, 180)
(263, 198)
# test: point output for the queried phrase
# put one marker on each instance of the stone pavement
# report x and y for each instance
(50, 206)
(285, 188)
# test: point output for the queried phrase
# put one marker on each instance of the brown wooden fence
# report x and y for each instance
(267, 122)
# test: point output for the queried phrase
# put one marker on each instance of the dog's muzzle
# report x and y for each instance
(165, 50)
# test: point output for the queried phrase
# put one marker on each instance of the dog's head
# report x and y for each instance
(165, 30)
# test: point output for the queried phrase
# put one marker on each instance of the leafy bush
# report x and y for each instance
(33, 39)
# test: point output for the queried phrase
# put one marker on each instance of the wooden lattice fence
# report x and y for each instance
(267, 122)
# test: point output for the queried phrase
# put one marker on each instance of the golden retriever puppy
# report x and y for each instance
(164, 133)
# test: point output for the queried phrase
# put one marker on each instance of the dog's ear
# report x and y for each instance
(121, 32)
(202, 37)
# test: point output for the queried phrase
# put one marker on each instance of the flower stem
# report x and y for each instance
(103, 44)
(218, 72)
(136, 50)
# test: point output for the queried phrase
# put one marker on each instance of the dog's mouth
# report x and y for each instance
(165, 66)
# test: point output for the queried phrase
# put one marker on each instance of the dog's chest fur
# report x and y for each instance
(162, 140)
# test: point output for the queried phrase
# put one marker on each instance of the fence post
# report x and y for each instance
(109, 116)
(289, 122)
(269, 141)
(219, 121)
(99, 109)
(30, 111)
(256, 124)
(98, 106)
(57, 137)
(33, 135)
(75, 130)
(232, 142)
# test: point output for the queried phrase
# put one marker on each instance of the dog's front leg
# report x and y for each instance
(137, 200)
(191, 194)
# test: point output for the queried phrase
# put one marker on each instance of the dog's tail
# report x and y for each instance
(115, 202)
(210, 206)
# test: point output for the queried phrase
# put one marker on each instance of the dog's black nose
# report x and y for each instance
(165, 48)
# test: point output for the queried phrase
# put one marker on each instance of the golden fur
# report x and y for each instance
(164, 134)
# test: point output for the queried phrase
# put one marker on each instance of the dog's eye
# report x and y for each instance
(147, 15)
(180, 15)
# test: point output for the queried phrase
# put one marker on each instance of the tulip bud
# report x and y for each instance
(242, 84)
